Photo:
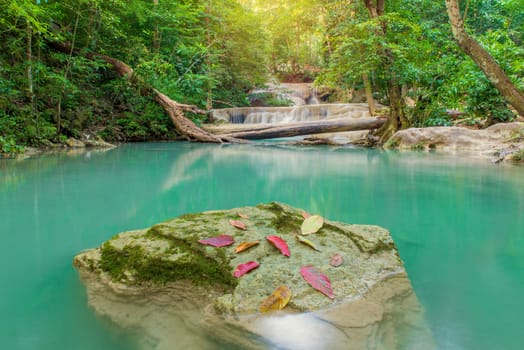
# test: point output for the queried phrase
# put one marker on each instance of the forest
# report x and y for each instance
(55, 84)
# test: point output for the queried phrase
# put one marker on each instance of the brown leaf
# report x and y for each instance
(243, 216)
(238, 224)
(245, 246)
(336, 260)
(276, 301)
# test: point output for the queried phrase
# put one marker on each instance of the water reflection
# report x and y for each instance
(457, 221)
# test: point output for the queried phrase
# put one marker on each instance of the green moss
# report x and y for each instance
(193, 265)
(284, 221)
(518, 156)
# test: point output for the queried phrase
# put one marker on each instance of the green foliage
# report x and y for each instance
(193, 51)
(418, 52)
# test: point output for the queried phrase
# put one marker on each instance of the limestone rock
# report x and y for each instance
(163, 272)
(97, 142)
(498, 141)
(74, 143)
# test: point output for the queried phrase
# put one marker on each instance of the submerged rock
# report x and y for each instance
(163, 273)
(500, 142)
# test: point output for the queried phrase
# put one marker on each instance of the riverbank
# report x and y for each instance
(498, 143)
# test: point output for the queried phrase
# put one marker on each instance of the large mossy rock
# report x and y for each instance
(166, 266)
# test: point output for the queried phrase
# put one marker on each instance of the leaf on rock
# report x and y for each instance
(336, 260)
(242, 269)
(276, 301)
(238, 224)
(305, 214)
(245, 246)
(312, 224)
(280, 244)
(218, 241)
(317, 280)
(307, 242)
(243, 216)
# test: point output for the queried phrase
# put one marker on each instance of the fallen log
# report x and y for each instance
(310, 128)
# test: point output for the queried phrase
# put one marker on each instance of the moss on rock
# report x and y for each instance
(170, 252)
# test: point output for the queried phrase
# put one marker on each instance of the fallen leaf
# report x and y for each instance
(245, 246)
(276, 301)
(238, 224)
(218, 241)
(317, 280)
(336, 260)
(305, 214)
(307, 242)
(280, 244)
(242, 269)
(312, 224)
(243, 216)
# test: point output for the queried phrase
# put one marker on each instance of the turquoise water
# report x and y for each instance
(458, 223)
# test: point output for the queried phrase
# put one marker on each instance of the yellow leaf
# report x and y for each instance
(276, 301)
(245, 246)
(312, 224)
(307, 242)
(243, 216)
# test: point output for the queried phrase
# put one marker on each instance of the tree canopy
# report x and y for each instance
(211, 53)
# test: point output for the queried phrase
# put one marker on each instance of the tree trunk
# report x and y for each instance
(309, 128)
(174, 110)
(369, 94)
(396, 119)
(483, 59)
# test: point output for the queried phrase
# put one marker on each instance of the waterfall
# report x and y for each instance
(307, 107)
(278, 115)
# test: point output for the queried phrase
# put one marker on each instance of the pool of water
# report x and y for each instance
(458, 223)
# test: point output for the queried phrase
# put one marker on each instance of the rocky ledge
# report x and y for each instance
(148, 278)
(500, 142)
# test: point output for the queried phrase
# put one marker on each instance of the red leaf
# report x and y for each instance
(238, 224)
(242, 269)
(218, 241)
(336, 260)
(280, 244)
(317, 280)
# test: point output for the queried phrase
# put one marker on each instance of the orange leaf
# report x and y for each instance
(245, 246)
(243, 216)
(238, 224)
(276, 301)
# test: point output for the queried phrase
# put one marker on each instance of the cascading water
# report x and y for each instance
(276, 115)
(306, 108)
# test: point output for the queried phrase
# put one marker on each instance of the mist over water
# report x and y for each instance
(458, 224)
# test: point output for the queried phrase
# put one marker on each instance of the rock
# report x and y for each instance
(96, 142)
(497, 142)
(162, 273)
(74, 143)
